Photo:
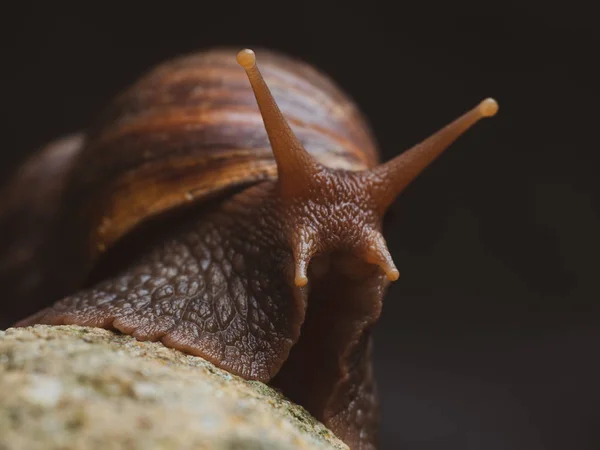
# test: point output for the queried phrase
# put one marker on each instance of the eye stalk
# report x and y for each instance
(296, 168)
(392, 177)
(376, 252)
(307, 188)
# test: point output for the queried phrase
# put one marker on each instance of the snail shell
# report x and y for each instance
(190, 129)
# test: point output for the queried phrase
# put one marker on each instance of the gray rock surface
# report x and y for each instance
(71, 387)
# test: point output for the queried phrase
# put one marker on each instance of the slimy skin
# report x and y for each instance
(281, 281)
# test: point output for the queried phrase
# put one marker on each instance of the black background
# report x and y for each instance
(490, 338)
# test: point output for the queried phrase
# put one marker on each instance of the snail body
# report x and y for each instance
(250, 237)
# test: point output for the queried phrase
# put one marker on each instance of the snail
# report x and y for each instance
(251, 237)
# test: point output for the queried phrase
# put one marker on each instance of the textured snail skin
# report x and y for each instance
(218, 280)
(188, 216)
(221, 286)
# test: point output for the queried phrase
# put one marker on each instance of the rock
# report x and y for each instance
(72, 387)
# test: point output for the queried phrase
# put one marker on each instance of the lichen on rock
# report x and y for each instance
(69, 387)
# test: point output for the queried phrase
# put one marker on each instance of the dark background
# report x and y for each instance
(490, 338)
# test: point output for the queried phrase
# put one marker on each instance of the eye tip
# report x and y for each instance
(300, 277)
(301, 280)
(488, 107)
(246, 58)
(393, 274)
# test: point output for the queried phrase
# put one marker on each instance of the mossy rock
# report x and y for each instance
(70, 387)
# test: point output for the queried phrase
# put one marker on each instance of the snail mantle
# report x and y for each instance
(73, 387)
